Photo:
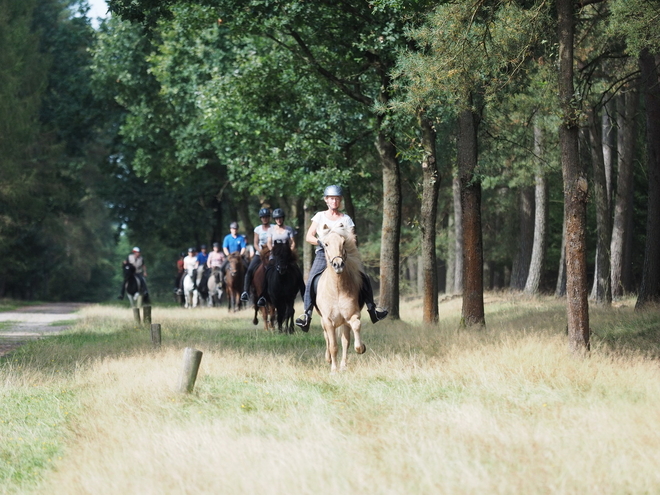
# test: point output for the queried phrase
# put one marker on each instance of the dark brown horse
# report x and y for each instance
(234, 274)
(257, 290)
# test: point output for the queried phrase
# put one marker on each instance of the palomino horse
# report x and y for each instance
(234, 275)
(284, 280)
(257, 290)
(190, 293)
(214, 286)
(338, 293)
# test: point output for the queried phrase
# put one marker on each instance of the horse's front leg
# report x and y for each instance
(356, 325)
(345, 341)
(331, 346)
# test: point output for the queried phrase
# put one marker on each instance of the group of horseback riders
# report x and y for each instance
(267, 235)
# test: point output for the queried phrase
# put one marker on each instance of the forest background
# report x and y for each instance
(442, 121)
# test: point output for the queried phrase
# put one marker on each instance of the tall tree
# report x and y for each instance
(626, 110)
(575, 186)
(649, 291)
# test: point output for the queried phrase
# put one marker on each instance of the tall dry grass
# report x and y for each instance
(428, 409)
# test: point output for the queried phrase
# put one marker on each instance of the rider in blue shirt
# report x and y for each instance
(203, 255)
(234, 241)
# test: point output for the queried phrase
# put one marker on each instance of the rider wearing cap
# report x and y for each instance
(135, 258)
(215, 261)
(233, 243)
(280, 233)
(332, 216)
(260, 239)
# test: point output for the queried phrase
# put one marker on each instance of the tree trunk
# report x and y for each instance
(537, 262)
(520, 268)
(608, 145)
(649, 291)
(459, 258)
(575, 188)
(560, 289)
(473, 294)
(451, 255)
(602, 293)
(429, 209)
(309, 252)
(626, 112)
(391, 231)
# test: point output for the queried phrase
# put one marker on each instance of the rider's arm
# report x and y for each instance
(270, 241)
(292, 241)
(311, 234)
(255, 241)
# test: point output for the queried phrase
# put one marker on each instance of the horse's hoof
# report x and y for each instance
(361, 350)
(255, 322)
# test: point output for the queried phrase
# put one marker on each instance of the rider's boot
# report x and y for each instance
(245, 296)
(261, 302)
(304, 320)
(376, 314)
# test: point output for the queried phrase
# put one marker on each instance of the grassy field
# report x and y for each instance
(427, 409)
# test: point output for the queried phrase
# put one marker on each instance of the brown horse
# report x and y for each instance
(338, 293)
(257, 289)
(234, 274)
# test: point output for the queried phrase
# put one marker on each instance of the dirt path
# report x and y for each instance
(35, 322)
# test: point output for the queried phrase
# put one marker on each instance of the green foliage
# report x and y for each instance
(636, 23)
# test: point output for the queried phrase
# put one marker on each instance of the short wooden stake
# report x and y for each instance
(136, 314)
(191, 359)
(146, 312)
(155, 334)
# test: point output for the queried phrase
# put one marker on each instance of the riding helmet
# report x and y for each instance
(333, 190)
(233, 225)
(191, 250)
(216, 244)
(203, 246)
(136, 249)
(264, 212)
(278, 213)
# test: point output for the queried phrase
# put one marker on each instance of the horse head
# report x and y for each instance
(129, 270)
(334, 243)
(282, 256)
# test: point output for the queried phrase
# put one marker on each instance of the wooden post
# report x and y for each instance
(155, 334)
(146, 312)
(136, 314)
(191, 359)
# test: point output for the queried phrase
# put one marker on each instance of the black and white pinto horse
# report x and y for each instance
(136, 289)
(283, 281)
(203, 274)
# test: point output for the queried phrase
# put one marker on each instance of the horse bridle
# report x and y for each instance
(342, 257)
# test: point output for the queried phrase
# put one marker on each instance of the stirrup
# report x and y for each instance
(261, 302)
(303, 321)
(245, 297)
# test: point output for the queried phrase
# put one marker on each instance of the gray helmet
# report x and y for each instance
(191, 249)
(264, 212)
(333, 190)
(233, 225)
(216, 244)
(278, 213)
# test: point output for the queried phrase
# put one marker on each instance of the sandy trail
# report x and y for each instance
(35, 322)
